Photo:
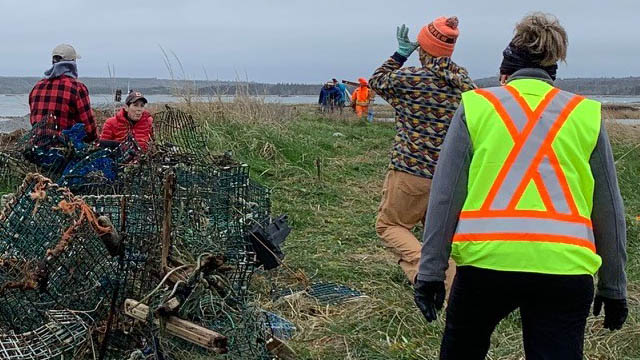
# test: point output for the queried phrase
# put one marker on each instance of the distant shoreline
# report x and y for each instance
(628, 86)
(17, 105)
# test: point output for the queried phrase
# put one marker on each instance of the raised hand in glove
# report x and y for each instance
(615, 311)
(405, 46)
(429, 296)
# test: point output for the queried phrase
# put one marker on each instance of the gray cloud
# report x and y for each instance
(297, 41)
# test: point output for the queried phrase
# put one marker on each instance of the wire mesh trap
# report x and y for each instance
(134, 217)
(96, 170)
(211, 201)
(179, 131)
(324, 293)
(153, 252)
(241, 325)
(208, 260)
(280, 327)
(61, 335)
(46, 146)
(54, 266)
(13, 171)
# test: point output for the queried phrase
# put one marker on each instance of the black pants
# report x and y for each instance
(553, 308)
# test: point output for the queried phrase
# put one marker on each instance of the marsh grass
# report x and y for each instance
(334, 239)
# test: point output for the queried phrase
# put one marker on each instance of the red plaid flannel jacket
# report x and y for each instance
(66, 101)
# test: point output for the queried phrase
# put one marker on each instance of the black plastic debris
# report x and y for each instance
(267, 242)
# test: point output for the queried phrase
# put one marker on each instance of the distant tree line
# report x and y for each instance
(23, 85)
(629, 86)
(282, 89)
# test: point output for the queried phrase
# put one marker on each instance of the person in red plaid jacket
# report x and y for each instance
(59, 101)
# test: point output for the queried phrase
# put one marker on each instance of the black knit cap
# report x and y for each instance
(515, 58)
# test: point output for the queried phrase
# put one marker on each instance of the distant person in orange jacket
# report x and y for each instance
(361, 98)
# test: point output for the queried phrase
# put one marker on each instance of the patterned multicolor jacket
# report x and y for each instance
(424, 100)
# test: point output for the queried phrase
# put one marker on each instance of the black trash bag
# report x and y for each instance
(267, 241)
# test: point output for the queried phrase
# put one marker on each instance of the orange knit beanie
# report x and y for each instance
(439, 37)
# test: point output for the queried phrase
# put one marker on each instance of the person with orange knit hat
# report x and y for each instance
(361, 97)
(439, 37)
(425, 99)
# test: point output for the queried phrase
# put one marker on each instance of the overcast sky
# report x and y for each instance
(298, 41)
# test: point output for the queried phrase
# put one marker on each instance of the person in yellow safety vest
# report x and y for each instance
(361, 98)
(526, 201)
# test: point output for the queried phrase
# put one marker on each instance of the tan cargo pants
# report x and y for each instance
(405, 198)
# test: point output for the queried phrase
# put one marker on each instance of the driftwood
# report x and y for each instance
(183, 329)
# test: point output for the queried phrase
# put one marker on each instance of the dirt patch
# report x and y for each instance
(382, 257)
(10, 140)
(620, 111)
(623, 133)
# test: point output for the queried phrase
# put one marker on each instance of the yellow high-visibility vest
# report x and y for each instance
(530, 190)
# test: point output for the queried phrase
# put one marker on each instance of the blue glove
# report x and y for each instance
(405, 47)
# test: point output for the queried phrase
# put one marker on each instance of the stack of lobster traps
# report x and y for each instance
(118, 254)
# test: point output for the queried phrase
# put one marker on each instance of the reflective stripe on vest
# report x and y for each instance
(525, 229)
(532, 159)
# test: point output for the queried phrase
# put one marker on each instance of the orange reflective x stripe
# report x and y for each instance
(532, 157)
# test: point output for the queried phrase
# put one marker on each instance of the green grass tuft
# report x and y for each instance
(334, 240)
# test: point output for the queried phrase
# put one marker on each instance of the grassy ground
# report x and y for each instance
(332, 212)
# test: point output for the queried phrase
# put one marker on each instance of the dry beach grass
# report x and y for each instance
(326, 173)
(332, 212)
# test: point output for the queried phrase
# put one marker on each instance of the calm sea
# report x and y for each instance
(18, 105)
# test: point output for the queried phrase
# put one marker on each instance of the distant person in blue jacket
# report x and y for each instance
(342, 88)
(329, 96)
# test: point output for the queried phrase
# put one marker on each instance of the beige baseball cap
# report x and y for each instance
(66, 52)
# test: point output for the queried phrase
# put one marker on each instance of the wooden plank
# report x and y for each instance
(181, 328)
(169, 307)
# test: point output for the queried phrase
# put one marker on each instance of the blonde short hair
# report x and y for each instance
(542, 34)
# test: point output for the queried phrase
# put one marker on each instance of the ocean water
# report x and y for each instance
(18, 105)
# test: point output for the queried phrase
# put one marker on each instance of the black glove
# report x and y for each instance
(429, 296)
(615, 311)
